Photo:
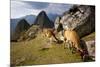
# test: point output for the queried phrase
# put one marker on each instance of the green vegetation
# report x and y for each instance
(30, 53)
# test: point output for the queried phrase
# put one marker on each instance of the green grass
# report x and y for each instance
(30, 53)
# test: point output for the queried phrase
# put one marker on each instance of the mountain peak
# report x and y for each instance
(43, 21)
(42, 12)
(22, 25)
(22, 21)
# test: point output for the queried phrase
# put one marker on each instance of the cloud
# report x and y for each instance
(36, 5)
(23, 8)
(19, 9)
(57, 8)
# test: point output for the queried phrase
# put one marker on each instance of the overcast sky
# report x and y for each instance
(22, 8)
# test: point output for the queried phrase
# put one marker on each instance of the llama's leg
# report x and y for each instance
(70, 44)
(77, 47)
(64, 44)
(50, 40)
(67, 44)
(72, 48)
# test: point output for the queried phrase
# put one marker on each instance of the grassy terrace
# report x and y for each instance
(30, 53)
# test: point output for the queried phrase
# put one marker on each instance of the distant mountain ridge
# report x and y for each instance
(13, 24)
(52, 17)
(23, 29)
(20, 25)
(30, 19)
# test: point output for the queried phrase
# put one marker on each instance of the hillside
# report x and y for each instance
(34, 49)
(31, 53)
(41, 21)
(29, 34)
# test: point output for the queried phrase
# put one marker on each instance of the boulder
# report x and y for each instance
(80, 18)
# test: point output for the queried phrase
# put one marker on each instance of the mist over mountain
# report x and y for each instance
(52, 17)
(30, 18)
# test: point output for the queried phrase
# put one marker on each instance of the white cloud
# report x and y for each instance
(22, 8)
(57, 8)
(19, 9)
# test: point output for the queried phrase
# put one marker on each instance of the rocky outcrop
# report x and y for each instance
(30, 34)
(57, 20)
(81, 18)
(88, 25)
(91, 48)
